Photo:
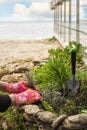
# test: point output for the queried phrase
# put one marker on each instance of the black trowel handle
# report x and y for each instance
(73, 61)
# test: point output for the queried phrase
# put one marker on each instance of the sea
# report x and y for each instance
(28, 30)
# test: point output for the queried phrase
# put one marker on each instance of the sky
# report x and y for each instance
(25, 10)
(31, 10)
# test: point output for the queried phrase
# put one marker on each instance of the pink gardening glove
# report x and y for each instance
(27, 97)
(17, 87)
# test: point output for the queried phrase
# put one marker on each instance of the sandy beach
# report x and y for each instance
(11, 50)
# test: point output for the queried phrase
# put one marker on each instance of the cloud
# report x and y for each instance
(25, 10)
(40, 1)
(4, 1)
(20, 9)
(36, 11)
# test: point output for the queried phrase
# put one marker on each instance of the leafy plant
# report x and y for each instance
(84, 111)
(58, 69)
(51, 77)
(81, 50)
(55, 72)
(13, 118)
(52, 39)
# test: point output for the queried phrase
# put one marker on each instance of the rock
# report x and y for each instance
(58, 121)
(4, 126)
(4, 71)
(15, 77)
(46, 120)
(36, 62)
(31, 109)
(19, 69)
(40, 114)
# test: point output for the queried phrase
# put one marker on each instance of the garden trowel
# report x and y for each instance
(73, 85)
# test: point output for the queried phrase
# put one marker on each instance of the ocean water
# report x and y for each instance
(26, 30)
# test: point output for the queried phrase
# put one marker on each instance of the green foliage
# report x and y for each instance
(13, 118)
(84, 111)
(52, 39)
(81, 50)
(58, 69)
(52, 76)
(55, 72)
(47, 106)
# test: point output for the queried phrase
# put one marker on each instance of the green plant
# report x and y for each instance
(84, 111)
(13, 118)
(81, 50)
(51, 77)
(55, 72)
(47, 106)
(52, 39)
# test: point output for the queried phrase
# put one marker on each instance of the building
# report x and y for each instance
(70, 21)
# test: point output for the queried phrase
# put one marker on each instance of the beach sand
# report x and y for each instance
(11, 50)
